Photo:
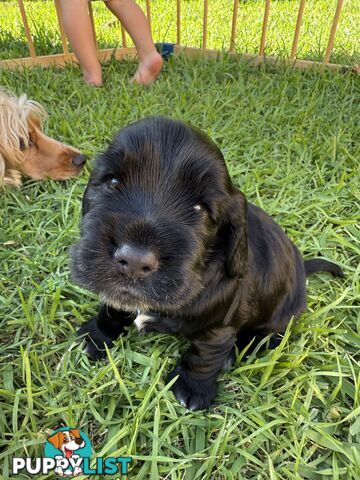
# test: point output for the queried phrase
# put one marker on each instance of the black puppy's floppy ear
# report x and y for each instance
(85, 201)
(234, 231)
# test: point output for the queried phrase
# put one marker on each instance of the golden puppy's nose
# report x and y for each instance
(79, 160)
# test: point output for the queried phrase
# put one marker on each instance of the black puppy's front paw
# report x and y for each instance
(192, 393)
(94, 339)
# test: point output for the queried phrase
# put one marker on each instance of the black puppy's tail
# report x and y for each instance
(321, 265)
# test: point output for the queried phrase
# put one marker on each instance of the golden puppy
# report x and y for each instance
(26, 150)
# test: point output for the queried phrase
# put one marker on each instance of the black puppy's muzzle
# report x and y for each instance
(135, 262)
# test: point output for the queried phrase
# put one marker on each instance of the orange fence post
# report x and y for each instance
(61, 27)
(333, 31)
(178, 22)
(233, 25)
(297, 30)
(27, 29)
(148, 13)
(205, 21)
(91, 15)
(264, 28)
(123, 35)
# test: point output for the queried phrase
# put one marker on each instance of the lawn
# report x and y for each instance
(291, 142)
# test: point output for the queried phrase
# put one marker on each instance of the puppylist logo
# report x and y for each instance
(67, 453)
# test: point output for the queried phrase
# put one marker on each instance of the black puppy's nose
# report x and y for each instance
(79, 160)
(136, 262)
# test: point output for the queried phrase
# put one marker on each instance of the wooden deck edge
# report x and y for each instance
(258, 60)
(62, 59)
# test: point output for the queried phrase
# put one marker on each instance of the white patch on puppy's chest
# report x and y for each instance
(142, 319)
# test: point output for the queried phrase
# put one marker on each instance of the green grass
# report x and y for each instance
(291, 141)
(315, 30)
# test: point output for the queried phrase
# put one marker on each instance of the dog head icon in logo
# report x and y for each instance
(67, 441)
(68, 446)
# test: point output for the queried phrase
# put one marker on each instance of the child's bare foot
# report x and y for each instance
(93, 79)
(149, 68)
(93, 82)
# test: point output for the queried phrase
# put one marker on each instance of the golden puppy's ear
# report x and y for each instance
(75, 432)
(2, 169)
(57, 439)
(8, 176)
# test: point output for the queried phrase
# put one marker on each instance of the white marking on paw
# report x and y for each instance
(181, 400)
(141, 320)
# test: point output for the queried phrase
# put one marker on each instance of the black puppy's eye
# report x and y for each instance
(200, 209)
(113, 182)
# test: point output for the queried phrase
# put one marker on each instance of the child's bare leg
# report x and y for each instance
(78, 29)
(136, 24)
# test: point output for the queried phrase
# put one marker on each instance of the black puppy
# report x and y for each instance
(168, 241)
